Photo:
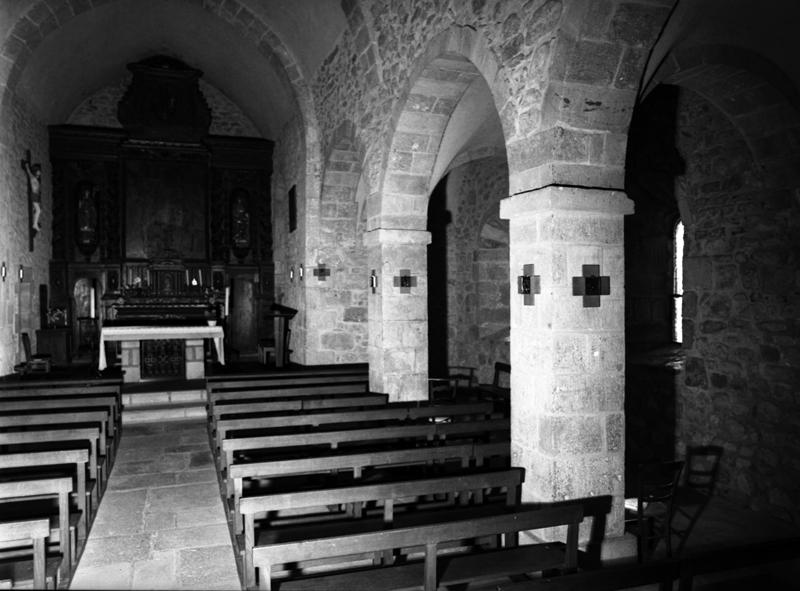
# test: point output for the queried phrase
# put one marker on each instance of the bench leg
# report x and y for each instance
(430, 566)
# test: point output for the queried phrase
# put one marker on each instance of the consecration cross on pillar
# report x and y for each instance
(528, 285)
(322, 273)
(591, 285)
(405, 281)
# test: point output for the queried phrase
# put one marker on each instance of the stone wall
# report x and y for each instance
(340, 285)
(100, 110)
(19, 301)
(741, 310)
(288, 247)
(478, 288)
(356, 79)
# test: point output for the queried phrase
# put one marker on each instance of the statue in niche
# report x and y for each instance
(240, 223)
(86, 219)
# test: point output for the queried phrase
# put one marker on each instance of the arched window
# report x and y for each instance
(677, 283)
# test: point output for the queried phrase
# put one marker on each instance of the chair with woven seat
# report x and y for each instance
(696, 489)
(459, 378)
(33, 363)
(649, 515)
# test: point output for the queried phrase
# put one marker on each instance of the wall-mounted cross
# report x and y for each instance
(528, 285)
(591, 285)
(322, 273)
(405, 281)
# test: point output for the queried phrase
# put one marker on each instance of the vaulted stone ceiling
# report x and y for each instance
(92, 49)
(767, 30)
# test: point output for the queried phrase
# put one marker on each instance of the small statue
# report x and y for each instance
(34, 172)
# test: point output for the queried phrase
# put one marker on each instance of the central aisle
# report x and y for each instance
(161, 523)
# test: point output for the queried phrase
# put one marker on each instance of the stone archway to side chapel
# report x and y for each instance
(397, 237)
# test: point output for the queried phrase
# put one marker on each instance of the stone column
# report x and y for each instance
(398, 313)
(568, 360)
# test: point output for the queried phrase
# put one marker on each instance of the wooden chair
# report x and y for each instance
(697, 488)
(33, 363)
(459, 377)
(497, 390)
(649, 515)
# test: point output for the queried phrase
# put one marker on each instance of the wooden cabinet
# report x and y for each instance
(56, 342)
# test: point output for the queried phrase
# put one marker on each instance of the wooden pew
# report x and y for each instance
(42, 463)
(394, 412)
(332, 439)
(230, 408)
(502, 372)
(111, 402)
(288, 391)
(26, 532)
(448, 569)
(48, 439)
(50, 420)
(359, 371)
(62, 525)
(28, 384)
(390, 495)
(465, 454)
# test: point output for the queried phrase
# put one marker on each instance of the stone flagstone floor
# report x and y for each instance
(161, 523)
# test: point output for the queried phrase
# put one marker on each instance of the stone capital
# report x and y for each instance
(381, 236)
(556, 198)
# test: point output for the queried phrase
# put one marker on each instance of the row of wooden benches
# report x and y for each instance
(324, 474)
(58, 442)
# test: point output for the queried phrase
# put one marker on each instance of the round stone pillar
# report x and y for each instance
(568, 346)
(398, 313)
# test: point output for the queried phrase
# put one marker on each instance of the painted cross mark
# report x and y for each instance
(528, 285)
(405, 281)
(591, 285)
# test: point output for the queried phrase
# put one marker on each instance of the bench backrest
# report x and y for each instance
(83, 385)
(91, 435)
(428, 431)
(290, 374)
(465, 452)
(500, 369)
(510, 479)
(429, 536)
(289, 391)
(298, 404)
(33, 531)
(388, 493)
(76, 457)
(101, 417)
(396, 413)
(37, 487)
(24, 403)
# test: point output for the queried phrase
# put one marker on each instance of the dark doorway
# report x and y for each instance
(438, 219)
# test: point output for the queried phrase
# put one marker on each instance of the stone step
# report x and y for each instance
(131, 400)
(164, 401)
(155, 413)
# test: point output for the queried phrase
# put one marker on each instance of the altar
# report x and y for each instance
(131, 337)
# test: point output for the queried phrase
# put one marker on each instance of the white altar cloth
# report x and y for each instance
(144, 333)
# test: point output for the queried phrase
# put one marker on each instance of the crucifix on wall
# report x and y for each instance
(34, 172)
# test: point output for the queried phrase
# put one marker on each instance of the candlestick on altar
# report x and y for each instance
(227, 300)
(91, 303)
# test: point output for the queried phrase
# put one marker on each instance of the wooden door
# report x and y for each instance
(242, 321)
